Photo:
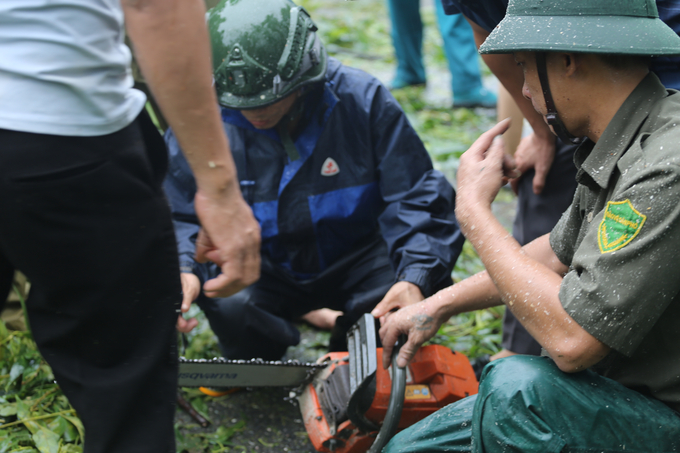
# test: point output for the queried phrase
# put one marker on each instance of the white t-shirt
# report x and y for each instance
(64, 68)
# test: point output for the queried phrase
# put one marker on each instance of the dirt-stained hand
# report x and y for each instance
(418, 322)
(229, 237)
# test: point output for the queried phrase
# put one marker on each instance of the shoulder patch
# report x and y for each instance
(620, 224)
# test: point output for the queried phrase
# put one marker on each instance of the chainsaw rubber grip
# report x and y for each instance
(396, 404)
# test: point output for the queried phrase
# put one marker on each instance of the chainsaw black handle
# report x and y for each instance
(396, 404)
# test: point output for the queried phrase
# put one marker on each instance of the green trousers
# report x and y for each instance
(526, 404)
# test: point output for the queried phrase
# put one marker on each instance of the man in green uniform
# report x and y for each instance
(601, 292)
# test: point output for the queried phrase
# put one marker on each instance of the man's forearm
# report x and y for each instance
(171, 44)
(510, 75)
(473, 293)
(173, 51)
(480, 291)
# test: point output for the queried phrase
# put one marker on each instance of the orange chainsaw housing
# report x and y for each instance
(435, 378)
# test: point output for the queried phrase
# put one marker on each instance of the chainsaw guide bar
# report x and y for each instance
(221, 372)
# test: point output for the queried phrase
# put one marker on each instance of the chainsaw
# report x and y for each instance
(349, 402)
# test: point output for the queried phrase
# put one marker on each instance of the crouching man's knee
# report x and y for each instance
(527, 404)
(514, 395)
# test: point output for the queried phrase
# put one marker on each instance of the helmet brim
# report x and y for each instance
(625, 35)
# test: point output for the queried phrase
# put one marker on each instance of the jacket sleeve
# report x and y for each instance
(418, 223)
(180, 188)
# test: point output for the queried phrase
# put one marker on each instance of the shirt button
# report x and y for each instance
(590, 216)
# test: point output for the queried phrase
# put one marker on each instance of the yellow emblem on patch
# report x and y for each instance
(620, 224)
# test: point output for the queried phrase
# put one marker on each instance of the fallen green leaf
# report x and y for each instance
(266, 444)
(45, 440)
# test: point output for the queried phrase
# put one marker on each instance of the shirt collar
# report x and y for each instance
(598, 160)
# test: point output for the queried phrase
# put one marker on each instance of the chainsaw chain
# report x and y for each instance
(311, 367)
(294, 363)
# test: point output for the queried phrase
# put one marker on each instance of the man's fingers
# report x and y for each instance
(481, 146)
(498, 129)
(539, 179)
(388, 336)
(538, 184)
(191, 287)
(496, 153)
(234, 277)
(387, 356)
(186, 325)
(222, 286)
(514, 184)
(406, 353)
(187, 299)
(228, 285)
(383, 308)
(487, 138)
(203, 246)
(510, 167)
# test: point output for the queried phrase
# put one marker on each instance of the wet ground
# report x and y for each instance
(261, 420)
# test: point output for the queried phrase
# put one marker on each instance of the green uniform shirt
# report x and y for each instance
(621, 240)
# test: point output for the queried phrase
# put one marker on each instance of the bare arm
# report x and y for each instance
(528, 280)
(421, 321)
(171, 44)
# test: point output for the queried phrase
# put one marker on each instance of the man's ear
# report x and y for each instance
(570, 62)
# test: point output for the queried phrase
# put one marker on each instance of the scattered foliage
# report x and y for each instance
(34, 415)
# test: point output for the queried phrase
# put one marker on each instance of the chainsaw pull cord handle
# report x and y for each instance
(396, 404)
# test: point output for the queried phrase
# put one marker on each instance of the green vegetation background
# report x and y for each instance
(34, 414)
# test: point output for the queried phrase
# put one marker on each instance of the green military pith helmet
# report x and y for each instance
(263, 50)
(629, 27)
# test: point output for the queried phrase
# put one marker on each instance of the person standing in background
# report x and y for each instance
(459, 47)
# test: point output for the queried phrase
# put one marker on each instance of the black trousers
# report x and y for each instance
(258, 321)
(536, 216)
(85, 219)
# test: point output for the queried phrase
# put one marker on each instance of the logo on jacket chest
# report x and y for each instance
(330, 167)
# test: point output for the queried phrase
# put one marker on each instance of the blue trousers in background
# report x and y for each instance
(459, 46)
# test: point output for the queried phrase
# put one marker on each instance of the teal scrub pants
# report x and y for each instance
(459, 46)
(526, 404)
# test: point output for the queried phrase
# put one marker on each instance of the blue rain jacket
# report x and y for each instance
(363, 175)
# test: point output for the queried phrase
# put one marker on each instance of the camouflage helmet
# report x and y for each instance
(263, 50)
(629, 27)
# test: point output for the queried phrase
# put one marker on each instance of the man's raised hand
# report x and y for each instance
(482, 171)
